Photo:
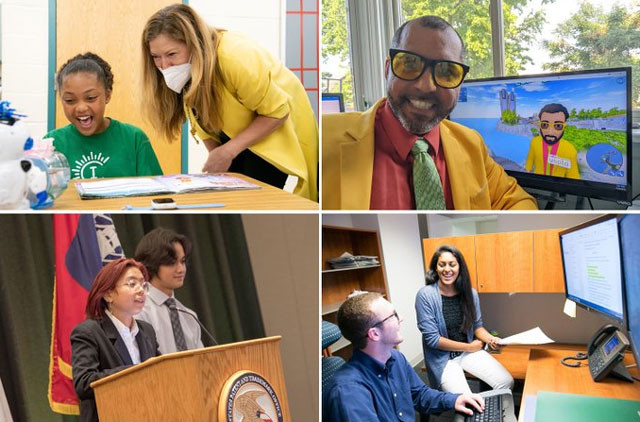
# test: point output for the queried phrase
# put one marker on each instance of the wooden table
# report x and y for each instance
(541, 369)
(546, 373)
(266, 198)
(514, 358)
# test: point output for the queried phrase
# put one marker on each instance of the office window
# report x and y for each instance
(578, 34)
(302, 45)
(336, 60)
(472, 21)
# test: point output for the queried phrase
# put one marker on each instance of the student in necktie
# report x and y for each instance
(111, 339)
(165, 253)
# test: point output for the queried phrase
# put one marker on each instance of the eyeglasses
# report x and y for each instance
(410, 66)
(556, 125)
(394, 314)
(133, 284)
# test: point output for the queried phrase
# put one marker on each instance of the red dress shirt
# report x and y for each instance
(392, 183)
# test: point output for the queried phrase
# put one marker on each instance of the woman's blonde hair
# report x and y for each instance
(164, 107)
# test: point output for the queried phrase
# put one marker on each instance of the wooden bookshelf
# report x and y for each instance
(337, 284)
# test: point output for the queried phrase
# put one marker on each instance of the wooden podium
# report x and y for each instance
(186, 386)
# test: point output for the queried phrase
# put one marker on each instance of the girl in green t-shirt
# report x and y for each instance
(96, 145)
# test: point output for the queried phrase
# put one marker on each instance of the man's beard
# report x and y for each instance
(552, 140)
(417, 127)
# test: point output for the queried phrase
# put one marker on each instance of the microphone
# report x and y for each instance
(173, 307)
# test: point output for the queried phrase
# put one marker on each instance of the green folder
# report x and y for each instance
(552, 407)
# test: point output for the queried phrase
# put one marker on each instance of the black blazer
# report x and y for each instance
(97, 350)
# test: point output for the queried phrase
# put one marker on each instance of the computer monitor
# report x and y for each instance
(587, 153)
(332, 103)
(630, 245)
(592, 266)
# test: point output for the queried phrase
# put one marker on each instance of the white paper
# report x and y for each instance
(570, 308)
(532, 336)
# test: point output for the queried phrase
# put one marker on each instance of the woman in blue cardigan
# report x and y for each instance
(449, 319)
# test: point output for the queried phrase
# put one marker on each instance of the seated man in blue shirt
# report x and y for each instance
(378, 384)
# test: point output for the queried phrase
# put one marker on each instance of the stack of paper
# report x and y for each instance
(346, 260)
(532, 336)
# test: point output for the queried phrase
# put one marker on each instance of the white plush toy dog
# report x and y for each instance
(14, 141)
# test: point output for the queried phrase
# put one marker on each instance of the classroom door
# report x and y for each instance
(113, 30)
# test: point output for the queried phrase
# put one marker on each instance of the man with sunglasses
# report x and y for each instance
(402, 153)
(378, 384)
(549, 154)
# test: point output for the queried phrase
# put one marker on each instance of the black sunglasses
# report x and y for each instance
(410, 66)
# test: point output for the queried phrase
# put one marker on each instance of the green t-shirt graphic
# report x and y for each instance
(122, 150)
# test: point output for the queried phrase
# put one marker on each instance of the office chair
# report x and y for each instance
(330, 364)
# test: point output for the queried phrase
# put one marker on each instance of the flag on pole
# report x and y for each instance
(83, 243)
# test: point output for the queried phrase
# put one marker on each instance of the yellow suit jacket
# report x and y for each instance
(566, 150)
(477, 182)
(255, 83)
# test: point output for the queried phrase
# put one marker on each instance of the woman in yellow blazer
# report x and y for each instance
(251, 112)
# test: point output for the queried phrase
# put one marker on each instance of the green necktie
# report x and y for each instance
(426, 181)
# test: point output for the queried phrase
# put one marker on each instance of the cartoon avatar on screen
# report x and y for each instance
(549, 154)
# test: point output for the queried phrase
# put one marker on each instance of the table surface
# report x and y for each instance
(546, 373)
(266, 198)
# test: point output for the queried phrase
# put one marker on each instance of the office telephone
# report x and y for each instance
(606, 352)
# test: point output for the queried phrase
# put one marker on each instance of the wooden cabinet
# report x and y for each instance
(524, 262)
(337, 284)
(505, 262)
(465, 244)
(548, 275)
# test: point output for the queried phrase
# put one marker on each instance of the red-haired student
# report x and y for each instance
(110, 339)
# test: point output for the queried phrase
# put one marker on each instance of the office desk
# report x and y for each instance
(266, 198)
(546, 373)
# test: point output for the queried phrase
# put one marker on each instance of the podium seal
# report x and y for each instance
(248, 397)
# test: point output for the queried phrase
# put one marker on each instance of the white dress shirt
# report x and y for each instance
(156, 313)
(128, 336)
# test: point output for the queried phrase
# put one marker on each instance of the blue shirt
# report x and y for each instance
(366, 390)
(432, 325)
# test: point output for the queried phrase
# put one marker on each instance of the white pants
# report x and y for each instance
(481, 365)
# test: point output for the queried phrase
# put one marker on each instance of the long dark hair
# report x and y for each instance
(462, 284)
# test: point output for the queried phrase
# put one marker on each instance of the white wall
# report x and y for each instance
(25, 48)
(340, 220)
(402, 252)
(539, 221)
(24, 37)
(464, 224)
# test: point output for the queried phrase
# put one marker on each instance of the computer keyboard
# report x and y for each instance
(492, 411)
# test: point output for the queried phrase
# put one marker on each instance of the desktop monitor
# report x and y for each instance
(587, 153)
(592, 266)
(630, 245)
(332, 103)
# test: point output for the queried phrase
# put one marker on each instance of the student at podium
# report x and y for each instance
(164, 253)
(110, 339)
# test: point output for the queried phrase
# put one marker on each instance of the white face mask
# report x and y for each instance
(176, 77)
